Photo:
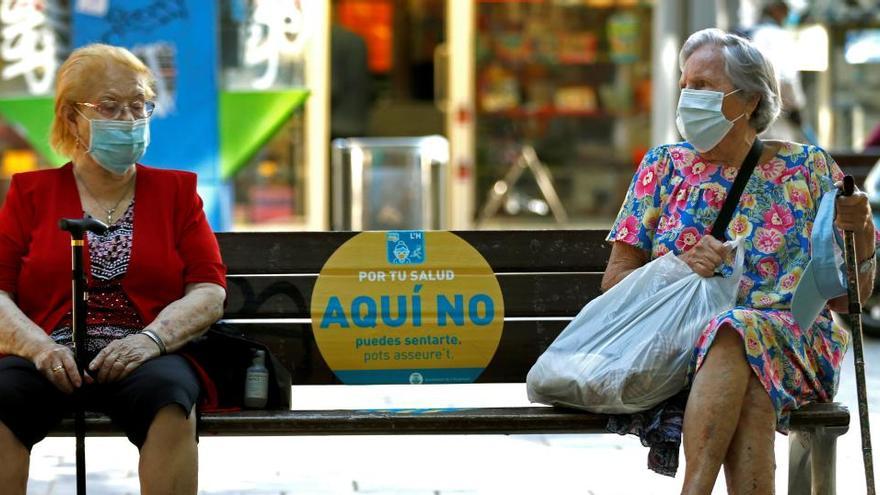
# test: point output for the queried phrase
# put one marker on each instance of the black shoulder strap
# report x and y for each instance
(719, 229)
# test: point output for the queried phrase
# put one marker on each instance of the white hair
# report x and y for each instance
(746, 67)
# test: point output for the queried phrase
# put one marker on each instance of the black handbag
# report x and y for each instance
(225, 355)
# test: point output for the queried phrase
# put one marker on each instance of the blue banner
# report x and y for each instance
(177, 39)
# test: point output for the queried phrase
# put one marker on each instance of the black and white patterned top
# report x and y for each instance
(111, 314)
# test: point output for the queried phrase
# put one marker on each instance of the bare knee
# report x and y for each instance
(172, 425)
(14, 461)
(729, 340)
(10, 444)
(169, 457)
(727, 355)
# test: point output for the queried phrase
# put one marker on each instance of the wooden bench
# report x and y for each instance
(545, 278)
(857, 164)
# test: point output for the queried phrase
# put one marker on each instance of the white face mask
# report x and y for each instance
(699, 118)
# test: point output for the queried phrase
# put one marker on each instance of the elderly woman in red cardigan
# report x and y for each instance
(155, 280)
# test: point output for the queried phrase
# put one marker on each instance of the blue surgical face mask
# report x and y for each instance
(118, 144)
(700, 120)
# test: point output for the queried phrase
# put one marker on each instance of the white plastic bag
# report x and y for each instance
(630, 348)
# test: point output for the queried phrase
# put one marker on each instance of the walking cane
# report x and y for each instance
(855, 324)
(78, 227)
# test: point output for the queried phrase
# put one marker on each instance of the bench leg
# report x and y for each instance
(825, 460)
(812, 461)
(799, 475)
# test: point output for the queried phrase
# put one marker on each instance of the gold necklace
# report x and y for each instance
(108, 211)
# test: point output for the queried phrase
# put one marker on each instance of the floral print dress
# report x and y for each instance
(673, 201)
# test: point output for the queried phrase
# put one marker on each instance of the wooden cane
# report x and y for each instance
(855, 323)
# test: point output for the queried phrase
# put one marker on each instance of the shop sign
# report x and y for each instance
(276, 30)
(28, 48)
(407, 307)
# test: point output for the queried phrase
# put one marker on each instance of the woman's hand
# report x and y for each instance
(853, 213)
(122, 356)
(57, 364)
(705, 256)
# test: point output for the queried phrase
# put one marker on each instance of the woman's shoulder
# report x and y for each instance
(672, 150)
(814, 161)
(164, 173)
(665, 155)
(42, 177)
(676, 153)
(167, 175)
(795, 152)
(669, 158)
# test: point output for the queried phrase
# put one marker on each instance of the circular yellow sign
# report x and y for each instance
(407, 307)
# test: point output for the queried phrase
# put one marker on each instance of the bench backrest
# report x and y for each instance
(546, 276)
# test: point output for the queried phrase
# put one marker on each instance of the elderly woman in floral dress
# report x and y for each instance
(754, 364)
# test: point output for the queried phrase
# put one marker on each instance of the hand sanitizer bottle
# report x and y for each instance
(256, 385)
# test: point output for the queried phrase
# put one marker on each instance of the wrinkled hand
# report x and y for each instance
(705, 256)
(57, 364)
(853, 212)
(121, 357)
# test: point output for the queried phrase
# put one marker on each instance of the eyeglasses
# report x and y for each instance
(112, 110)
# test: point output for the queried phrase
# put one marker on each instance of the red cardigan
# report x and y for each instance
(172, 244)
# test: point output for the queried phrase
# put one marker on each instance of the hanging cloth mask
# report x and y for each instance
(825, 275)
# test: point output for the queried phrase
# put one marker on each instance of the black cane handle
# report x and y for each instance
(78, 226)
(849, 185)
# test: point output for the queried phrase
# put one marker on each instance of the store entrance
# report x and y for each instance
(383, 72)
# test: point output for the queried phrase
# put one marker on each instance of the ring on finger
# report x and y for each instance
(57, 368)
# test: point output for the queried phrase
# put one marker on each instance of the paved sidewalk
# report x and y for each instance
(436, 465)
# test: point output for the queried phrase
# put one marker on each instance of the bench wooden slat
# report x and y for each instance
(820, 414)
(294, 345)
(379, 422)
(521, 344)
(498, 420)
(545, 294)
(505, 251)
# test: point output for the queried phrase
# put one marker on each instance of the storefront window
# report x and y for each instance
(563, 95)
(856, 77)
(263, 59)
(269, 191)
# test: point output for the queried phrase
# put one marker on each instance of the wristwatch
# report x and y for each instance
(869, 265)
